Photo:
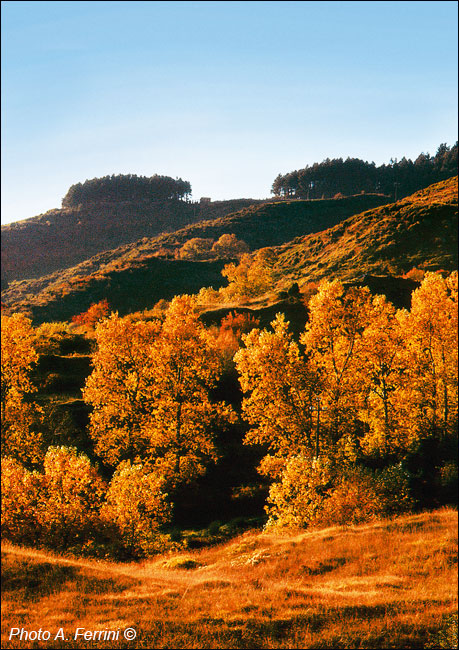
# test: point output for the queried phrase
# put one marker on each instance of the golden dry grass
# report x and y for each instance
(390, 584)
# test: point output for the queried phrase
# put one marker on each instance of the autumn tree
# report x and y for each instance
(96, 312)
(250, 278)
(137, 504)
(20, 502)
(384, 377)
(58, 506)
(20, 416)
(430, 334)
(228, 336)
(197, 248)
(71, 494)
(229, 246)
(333, 341)
(280, 389)
(150, 393)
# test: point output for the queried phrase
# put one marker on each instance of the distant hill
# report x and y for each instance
(114, 273)
(64, 237)
(418, 231)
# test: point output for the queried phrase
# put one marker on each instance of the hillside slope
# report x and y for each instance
(111, 274)
(388, 584)
(418, 231)
(64, 237)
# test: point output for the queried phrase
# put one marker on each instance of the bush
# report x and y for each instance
(354, 500)
(314, 492)
(70, 498)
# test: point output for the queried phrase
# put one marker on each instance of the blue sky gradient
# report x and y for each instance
(225, 95)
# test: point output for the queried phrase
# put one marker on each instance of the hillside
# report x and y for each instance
(64, 237)
(387, 584)
(418, 231)
(143, 272)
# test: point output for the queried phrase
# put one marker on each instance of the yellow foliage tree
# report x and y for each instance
(21, 491)
(297, 497)
(385, 378)
(250, 278)
(281, 389)
(20, 416)
(430, 333)
(70, 497)
(334, 345)
(59, 507)
(137, 505)
(150, 393)
(197, 248)
(229, 246)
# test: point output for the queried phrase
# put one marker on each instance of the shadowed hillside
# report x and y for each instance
(61, 238)
(69, 291)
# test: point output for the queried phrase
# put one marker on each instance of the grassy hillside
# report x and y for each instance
(388, 584)
(418, 231)
(61, 238)
(136, 275)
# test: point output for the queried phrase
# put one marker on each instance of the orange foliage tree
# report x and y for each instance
(71, 494)
(430, 336)
(150, 393)
(137, 504)
(96, 312)
(229, 246)
(280, 389)
(21, 438)
(20, 502)
(250, 278)
(334, 344)
(56, 507)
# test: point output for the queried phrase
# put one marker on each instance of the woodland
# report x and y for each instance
(352, 175)
(237, 428)
(283, 399)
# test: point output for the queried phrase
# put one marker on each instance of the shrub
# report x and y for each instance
(95, 313)
(50, 336)
(197, 248)
(229, 246)
(353, 500)
(315, 492)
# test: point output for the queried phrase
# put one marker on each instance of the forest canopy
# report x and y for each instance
(126, 187)
(353, 176)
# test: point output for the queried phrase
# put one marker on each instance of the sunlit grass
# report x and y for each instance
(390, 584)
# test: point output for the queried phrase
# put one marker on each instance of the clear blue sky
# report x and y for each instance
(225, 95)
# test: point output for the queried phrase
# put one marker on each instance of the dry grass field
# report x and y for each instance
(389, 584)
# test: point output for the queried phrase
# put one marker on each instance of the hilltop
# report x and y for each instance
(137, 275)
(386, 584)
